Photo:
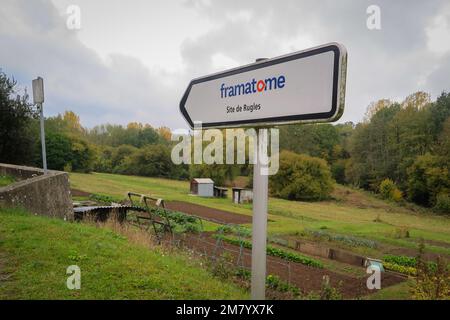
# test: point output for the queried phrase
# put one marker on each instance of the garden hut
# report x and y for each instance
(203, 187)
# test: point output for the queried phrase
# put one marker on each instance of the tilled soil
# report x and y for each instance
(208, 213)
(79, 193)
(307, 279)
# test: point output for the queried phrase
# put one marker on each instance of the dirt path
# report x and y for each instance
(208, 213)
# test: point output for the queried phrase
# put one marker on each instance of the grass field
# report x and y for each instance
(36, 251)
(354, 213)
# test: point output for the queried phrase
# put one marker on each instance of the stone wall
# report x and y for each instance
(41, 194)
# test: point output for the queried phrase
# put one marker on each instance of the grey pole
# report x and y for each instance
(44, 152)
(259, 218)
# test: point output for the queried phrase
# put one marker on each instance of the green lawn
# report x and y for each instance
(291, 217)
(35, 252)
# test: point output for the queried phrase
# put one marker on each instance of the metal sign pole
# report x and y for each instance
(259, 220)
(44, 153)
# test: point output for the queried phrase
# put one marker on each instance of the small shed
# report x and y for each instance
(220, 192)
(203, 187)
(242, 195)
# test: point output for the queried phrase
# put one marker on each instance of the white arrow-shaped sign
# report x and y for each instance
(305, 86)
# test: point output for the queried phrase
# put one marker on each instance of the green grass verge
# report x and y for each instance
(401, 291)
(36, 251)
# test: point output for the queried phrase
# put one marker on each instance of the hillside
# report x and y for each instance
(35, 252)
(353, 213)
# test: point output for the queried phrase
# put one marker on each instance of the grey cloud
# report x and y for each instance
(389, 63)
(37, 42)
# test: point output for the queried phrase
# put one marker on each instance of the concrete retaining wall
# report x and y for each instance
(41, 194)
(329, 253)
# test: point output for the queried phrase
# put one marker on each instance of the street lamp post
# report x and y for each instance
(38, 99)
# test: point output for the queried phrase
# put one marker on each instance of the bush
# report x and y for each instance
(301, 177)
(428, 177)
(150, 161)
(67, 152)
(433, 279)
(389, 191)
(275, 283)
(442, 203)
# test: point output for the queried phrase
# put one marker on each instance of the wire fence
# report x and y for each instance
(212, 247)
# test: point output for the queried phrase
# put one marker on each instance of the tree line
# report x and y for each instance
(400, 150)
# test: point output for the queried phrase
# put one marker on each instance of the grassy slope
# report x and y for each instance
(35, 252)
(290, 217)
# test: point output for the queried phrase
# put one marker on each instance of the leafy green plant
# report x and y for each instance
(401, 260)
(179, 221)
(75, 256)
(275, 283)
(411, 271)
(221, 266)
(243, 273)
(404, 264)
(103, 198)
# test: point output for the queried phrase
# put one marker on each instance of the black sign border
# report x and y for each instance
(326, 116)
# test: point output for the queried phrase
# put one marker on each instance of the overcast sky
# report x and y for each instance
(132, 60)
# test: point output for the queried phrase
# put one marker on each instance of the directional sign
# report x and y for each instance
(38, 90)
(305, 86)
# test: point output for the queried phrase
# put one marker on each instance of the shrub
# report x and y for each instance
(442, 203)
(275, 283)
(432, 281)
(428, 177)
(389, 191)
(221, 266)
(400, 233)
(301, 177)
